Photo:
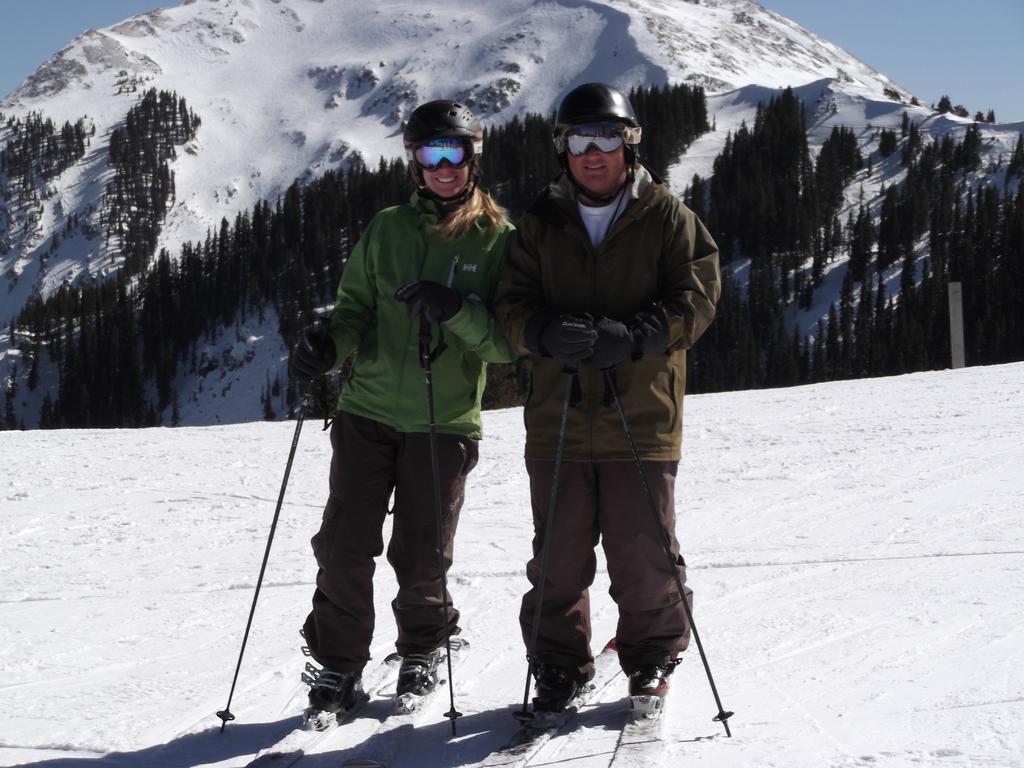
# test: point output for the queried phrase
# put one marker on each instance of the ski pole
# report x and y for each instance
(225, 714)
(426, 359)
(722, 716)
(570, 370)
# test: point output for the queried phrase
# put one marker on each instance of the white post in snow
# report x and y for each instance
(956, 324)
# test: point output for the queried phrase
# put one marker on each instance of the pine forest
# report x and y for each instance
(123, 346)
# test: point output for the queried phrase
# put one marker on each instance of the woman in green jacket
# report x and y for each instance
(437, 257)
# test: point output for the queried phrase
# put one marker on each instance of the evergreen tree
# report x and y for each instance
(887, 142)
(142, 187)
(912, 145)
(1016, 165)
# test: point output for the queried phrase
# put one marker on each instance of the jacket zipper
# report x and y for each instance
(593, 299)
(451, 272)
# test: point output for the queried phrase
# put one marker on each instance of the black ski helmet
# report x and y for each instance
(443, 119)
(594, 102)
(597, 102)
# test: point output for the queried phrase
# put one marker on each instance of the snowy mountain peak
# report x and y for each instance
(81, 64)
(507, 57)
(289, 88)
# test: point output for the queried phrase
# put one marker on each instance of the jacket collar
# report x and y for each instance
(429, 211)
(559, 199)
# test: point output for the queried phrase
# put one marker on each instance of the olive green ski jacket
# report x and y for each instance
(386, 382)
(657, 252)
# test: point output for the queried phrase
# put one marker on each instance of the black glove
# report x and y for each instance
(568, 338)
(614, 343)
(432, 300)
(649, 329)
(314, 354)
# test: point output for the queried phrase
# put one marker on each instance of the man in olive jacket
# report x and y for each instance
(608, 271)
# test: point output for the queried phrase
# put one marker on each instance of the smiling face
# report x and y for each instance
(445, 181)
(601, 174)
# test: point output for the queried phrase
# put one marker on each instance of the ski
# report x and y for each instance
(306, 736)
(410, 711)
(530, 738)
(639, 743)
(640, 740)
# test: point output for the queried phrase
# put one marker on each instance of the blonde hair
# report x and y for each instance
(480, 205)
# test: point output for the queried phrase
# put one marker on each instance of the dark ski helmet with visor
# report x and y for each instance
(599, 115)
(443, 131)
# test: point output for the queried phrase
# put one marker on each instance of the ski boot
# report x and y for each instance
(331, 694)
(648, 687)
(556, 687)
(417, 678)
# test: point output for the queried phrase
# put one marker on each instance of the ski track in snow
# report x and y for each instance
(855, 548)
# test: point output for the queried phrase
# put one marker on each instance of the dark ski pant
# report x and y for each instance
(605, 501)
(371, 460)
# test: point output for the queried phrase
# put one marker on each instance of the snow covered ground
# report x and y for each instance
(856, 551)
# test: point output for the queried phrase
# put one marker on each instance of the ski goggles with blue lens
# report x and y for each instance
(456, 152)
(605, 136)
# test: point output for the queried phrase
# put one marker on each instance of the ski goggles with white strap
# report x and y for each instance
(456, 152)
(605, 136)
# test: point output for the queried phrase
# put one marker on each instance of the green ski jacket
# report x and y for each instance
(386, 382)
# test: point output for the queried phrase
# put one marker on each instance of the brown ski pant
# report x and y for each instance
(605, 501)
(371, 460)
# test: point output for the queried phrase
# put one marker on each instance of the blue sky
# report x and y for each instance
(31, 31)
(971, 50)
